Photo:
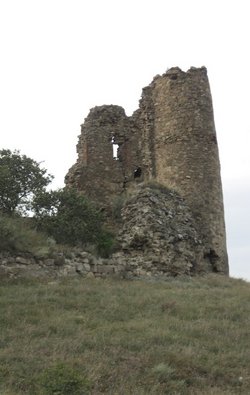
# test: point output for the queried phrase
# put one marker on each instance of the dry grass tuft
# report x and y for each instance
(188, 336)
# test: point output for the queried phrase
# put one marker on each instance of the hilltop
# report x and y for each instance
(82, 336)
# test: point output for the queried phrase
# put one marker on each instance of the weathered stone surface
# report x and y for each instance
(107, 269)
(86, 267)
(49, 262)
(159, 235)
(59, 260)
(171, 139)
(171, 230)
(79, 267)
(90, 275)
(22, 260)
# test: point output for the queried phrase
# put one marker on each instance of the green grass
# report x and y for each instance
(188, 336)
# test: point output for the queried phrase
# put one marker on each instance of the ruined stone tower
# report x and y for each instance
(170, 139)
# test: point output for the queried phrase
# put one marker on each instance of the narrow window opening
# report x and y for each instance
(115, 149)
(137, 172)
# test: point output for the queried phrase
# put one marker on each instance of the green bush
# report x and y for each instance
(68, 217)
(74, 222)
(105, 244)
(71, 219)
(63, 380)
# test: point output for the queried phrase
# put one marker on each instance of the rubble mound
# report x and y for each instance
(159, 235)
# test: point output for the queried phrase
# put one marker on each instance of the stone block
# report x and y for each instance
(59, 260)
(79, 268)
(49, 262)
(86, 267)
(107, 269)
(23, 261)
(90, 275)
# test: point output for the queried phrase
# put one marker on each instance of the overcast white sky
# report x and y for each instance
(59, 58)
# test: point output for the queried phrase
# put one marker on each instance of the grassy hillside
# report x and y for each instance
(118, 337)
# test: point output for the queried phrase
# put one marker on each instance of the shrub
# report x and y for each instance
(70, 218)
(105, 244)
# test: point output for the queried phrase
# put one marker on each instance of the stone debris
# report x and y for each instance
(158, 239)
(159, 235)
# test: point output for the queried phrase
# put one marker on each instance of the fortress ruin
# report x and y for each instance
(171, 140)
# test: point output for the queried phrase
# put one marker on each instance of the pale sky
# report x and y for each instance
(59, 58)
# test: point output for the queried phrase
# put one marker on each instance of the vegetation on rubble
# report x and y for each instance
(32, 218)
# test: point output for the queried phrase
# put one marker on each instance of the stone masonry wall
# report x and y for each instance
(171, 139)
(186, 151)
(97, 173)
(74, 263)
(158, 239)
